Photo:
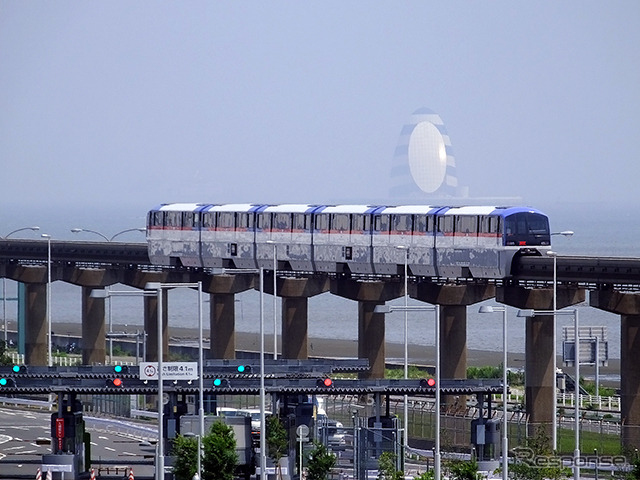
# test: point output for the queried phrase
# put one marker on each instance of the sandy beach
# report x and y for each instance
(335, 348)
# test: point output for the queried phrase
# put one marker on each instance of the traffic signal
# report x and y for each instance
(221, 383)
(427, 383)
(325, 382)
(7, 382)
(120, 369)
(244, 368)
(114, 382)
(19, 369)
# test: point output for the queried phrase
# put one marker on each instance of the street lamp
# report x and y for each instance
(49, 355)
(554, 420)
(158, 287)
(4, 283)
(406, 340)
(574, 312)
(263, 427)
(505, 441)
(436, 310)
(275, 300)
(78, 230)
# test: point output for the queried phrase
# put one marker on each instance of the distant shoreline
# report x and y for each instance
(341, 348)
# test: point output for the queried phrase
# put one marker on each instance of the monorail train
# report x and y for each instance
(446, 242)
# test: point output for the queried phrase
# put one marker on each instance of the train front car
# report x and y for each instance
(288, 230)
(173, 234)
(525, 232)
(228, 235)
(480, 241)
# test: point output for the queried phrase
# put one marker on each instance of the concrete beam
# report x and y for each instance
(627, 305)
(89, 277)
(451, 294)
(93, 329)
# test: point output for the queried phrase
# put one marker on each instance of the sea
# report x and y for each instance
(599, 230)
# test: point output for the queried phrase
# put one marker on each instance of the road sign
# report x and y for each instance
(59, 427)
(170, 370)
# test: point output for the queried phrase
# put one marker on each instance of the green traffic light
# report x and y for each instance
(16, 368)
(241, 368)
(117, 368)
(217, 382)
(3, 382)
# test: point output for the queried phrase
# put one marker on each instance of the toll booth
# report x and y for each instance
(67, 439)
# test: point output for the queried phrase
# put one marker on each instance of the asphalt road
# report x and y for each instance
(116, 446)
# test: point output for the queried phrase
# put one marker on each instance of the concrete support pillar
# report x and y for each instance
(295, 328)
(371, 339)
(627, 305)
(540, 379)
(93, 329)
(371, 331)
(222, 316)
(151, 326)
(36, 343)
(295, 293)
(453, 301)
(222, 325)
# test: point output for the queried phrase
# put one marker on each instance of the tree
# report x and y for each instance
(220, 457)
(277, 441)
(536, 462)
(320, 461)
(463, 469)
(185, 450)
(387, 467)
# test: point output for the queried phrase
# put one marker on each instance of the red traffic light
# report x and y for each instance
(431, 382)
(324, 382)
(427, 382)
(115, 382)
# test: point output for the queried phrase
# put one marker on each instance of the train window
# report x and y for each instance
(282, 221)
(244, 220)
(157, 219)
(264, 221)
(381, 223)
(208, 220)
(299, 221)
(226, 220)
(489, 224)
(421, 224)
(445, 224)
(322, 222)
(358, 222)
(173, 219)
(403, 223)
(467, 224)
(189, 219)
(341, 222)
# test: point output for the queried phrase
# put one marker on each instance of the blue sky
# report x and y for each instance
(126, 105)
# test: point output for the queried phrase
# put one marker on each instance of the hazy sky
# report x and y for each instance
(130, 104)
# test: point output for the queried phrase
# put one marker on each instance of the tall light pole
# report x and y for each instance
(505, 441)
(263, 427)
(554, 420)
(436, 310)
(159, 287)
(78, 230)
(275, 300)
(405, 250)
(4, 283)
(50, 340)
(574, 312)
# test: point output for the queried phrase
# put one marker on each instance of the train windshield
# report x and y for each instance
(525, 228)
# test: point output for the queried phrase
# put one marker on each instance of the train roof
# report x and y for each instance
(410, 210)
(234, 207)
(349, 209)
(290, 208)
(181, 207)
